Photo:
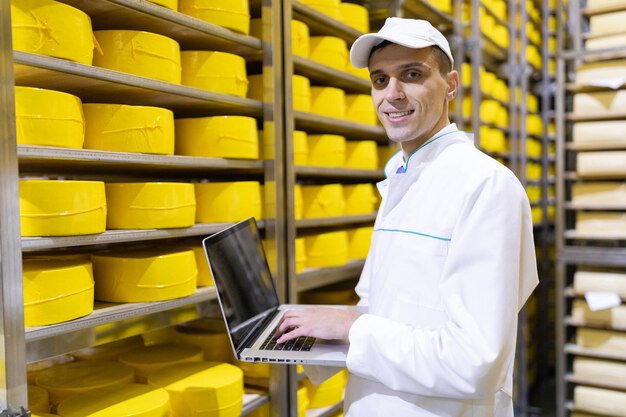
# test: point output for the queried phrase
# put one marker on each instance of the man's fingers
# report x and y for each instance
(290, 334)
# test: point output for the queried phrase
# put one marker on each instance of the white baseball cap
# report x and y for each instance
(411, 33)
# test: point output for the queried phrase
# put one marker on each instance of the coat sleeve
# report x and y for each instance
(489, 273)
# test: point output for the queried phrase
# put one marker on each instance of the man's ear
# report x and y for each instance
(452, 79)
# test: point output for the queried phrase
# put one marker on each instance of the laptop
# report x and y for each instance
(250, 306)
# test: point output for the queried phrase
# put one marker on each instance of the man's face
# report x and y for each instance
(409, 93)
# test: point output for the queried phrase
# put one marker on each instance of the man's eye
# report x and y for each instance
(411, 75)
(379, 80)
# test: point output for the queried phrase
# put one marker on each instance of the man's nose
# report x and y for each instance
(395, 90)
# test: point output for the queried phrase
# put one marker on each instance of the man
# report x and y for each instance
(452, 258)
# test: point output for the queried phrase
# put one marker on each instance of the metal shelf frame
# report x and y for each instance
(92, 84)
(576, 249)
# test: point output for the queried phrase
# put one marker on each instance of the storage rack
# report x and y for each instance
(274, 53)
(574, 249)
(101, 85)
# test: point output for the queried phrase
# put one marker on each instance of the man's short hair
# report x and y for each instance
(445, 66)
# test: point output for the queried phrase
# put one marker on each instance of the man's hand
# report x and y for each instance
(320, 322)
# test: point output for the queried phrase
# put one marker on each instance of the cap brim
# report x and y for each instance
(362, 47)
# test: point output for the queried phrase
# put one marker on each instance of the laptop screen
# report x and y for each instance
(242, 277)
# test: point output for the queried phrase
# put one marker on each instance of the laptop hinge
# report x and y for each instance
(258, 328)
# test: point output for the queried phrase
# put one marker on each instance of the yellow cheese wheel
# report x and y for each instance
(323, 200)
(56, 290)
(47, 27)
(108, 351)
(359, 241)
(144, 275)
(132, 400)
(303, 400)
(300, 254)
(148, 359)
(62, 208)
(140, 53)
(361, 154)
(218, 72)
(202, 389)
(327, 393)
(232, 14)
(300, 39)
(121, 128)
(215, 344)
(38, 399)
(355, 16)
(360, 109)
(341, 294)
(218, 136)
(48, 118)
(150, 205)
(330, 51)
(360, 198)
(73, 378)
(326, 150)
(301, 93)
(228, 201)
(328, 101)
(170, 4)
(328, 7)
(327, 249)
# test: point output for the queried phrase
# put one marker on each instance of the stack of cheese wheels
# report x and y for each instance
(150, 205)
(48, 118)
(38, 399)
(62, 208)
(326, 150)
(228, 201)
(144, 275)
(218, 136)
(127, 400)
(327, 393)
(56, 290)
(148, 359)
(600, 371)
(69, 379)
(207, 335)
(202, 389)
(327, 249)
(47, 27)
(140, 53)
(360, 199)
(108, 351)
(122, 128)
(601, 340)
(218, 72)
(232, 14)
(323, 200)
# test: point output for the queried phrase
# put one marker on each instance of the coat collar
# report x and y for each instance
(397, 163)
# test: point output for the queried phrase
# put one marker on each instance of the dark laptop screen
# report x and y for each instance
(242, 277)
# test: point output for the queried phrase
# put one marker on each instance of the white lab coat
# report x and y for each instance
(452, 261)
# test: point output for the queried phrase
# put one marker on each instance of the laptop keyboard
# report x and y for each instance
(300, 344)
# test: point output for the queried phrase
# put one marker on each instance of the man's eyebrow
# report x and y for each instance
(404, 67)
